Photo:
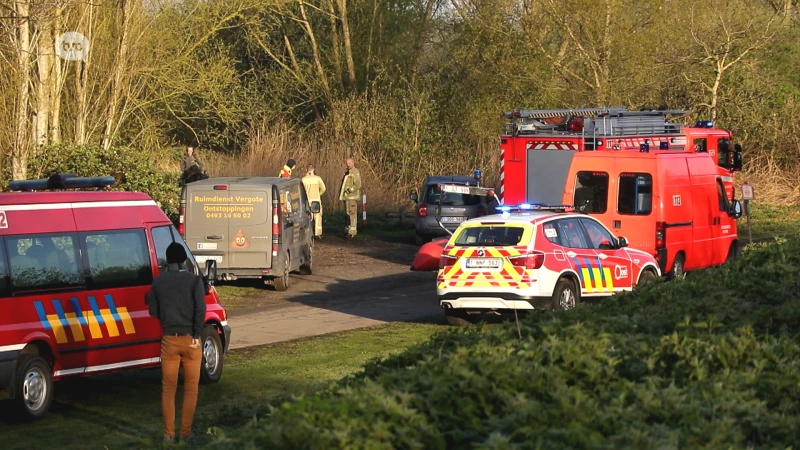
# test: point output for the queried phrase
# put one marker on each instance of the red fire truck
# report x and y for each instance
(603, 129)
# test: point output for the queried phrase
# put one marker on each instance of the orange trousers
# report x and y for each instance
(175, 351)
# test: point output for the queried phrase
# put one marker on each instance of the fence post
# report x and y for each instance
(364, 209)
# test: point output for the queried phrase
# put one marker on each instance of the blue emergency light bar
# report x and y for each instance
(62, 181)
(533, 207)
(704, 124)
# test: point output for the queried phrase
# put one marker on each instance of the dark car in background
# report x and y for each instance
(456, 207)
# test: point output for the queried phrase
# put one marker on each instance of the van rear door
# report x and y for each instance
(207, 216)
(249, 240)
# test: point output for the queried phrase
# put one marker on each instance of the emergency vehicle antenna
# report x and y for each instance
(62, 181)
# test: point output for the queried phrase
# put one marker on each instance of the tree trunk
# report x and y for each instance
(423, 31)
(44, 89)
(57, 84)
(19, 155)
(348, 48)
(127, 9)
(337, 51)
(315, 50)
(81, 81)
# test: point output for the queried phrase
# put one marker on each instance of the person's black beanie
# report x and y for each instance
(176, 254)
(291, 163)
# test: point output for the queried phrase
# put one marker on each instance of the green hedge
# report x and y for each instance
(712, 361)
(134, 170)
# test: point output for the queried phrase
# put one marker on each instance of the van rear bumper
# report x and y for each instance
(661, 258)
(8, 365)
(226, 329)
(245, 273)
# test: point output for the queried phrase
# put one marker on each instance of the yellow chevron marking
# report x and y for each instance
(587, 279)
(75, 326)
(111, 324)
(598, 280)
(609, 279)
(94, 326)
(127, 323)
(58, 329)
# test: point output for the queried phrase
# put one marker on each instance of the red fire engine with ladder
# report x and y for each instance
(605, 129)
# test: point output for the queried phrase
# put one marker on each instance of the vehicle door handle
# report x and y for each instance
(617, 223)
(214, 237)
(572, 254)
(602, 256)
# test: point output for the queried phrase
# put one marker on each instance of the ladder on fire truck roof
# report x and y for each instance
(593, 122)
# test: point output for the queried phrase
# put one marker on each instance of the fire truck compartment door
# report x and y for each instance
(547, 175)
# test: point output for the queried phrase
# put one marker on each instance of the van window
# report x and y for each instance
(591, 192)
(290, 201)
(635, 193)
(571, 234)
(450, 198)
(117, 258)
(700, 145)
(723, 148)
(722, 196)
(44, 261)
(495, 236)
(162, 237)
(4, 284)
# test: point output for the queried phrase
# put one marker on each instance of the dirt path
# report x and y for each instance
(355, 284)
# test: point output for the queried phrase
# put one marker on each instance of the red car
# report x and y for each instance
(75, 268)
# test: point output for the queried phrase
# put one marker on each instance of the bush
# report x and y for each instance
(712, 361)
(133, 170)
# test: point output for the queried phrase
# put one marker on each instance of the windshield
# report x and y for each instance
(450, 198)
(490, 236)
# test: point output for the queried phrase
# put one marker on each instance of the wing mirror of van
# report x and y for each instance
(622, 242)
(736, 209)
(413, 197)
(211, 273)
(315, 207)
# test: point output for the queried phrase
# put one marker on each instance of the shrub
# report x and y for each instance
(712, 361)
(133, 170)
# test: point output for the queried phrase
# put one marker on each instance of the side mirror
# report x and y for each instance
(736, 209)
(622, 242)
(315, 207)
(737, 158)
(413, 197)
(211, 272)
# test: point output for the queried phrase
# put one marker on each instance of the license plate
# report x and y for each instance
(455, 189)
(483, 263)
(453, 219)
(203, 258)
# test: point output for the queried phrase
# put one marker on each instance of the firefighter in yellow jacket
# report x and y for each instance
(286, 172)
(350, 193)
(315, 187)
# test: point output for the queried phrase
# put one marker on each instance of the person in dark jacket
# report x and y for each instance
(177, 299)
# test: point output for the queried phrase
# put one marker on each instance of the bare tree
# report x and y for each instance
(122, 68)
(348, 47)
(19, 155)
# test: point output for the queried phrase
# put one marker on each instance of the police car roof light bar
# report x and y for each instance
(62, 181)
(534, 207)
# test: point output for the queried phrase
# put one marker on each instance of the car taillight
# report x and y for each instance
(182, 221)
(276, 228)
(661, 234)
(533, 260)
(422, 211)
(446, 260)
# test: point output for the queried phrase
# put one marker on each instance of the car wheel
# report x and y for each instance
(733, 253)
(281, 283)
(307, 268)
(34, 386)
(211, 367)
(565, 295)
(458, 318)
(421, 240)
(646, 277)
(677, 270)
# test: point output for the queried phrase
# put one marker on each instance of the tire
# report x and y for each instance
(33, 381)
(646, 277)
(733, 253)
(565, 296)
(281, 283)
(420, 240)
(212, 363)
(677, 270)
(457, 318)
(308, 267)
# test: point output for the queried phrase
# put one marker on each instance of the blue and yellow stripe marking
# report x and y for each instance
(76, 319)
(594, 277)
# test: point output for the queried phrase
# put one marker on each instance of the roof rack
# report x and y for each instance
(62, 181)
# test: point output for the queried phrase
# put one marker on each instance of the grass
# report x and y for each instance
(767, 222)
(123, 410)
(378, 227)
